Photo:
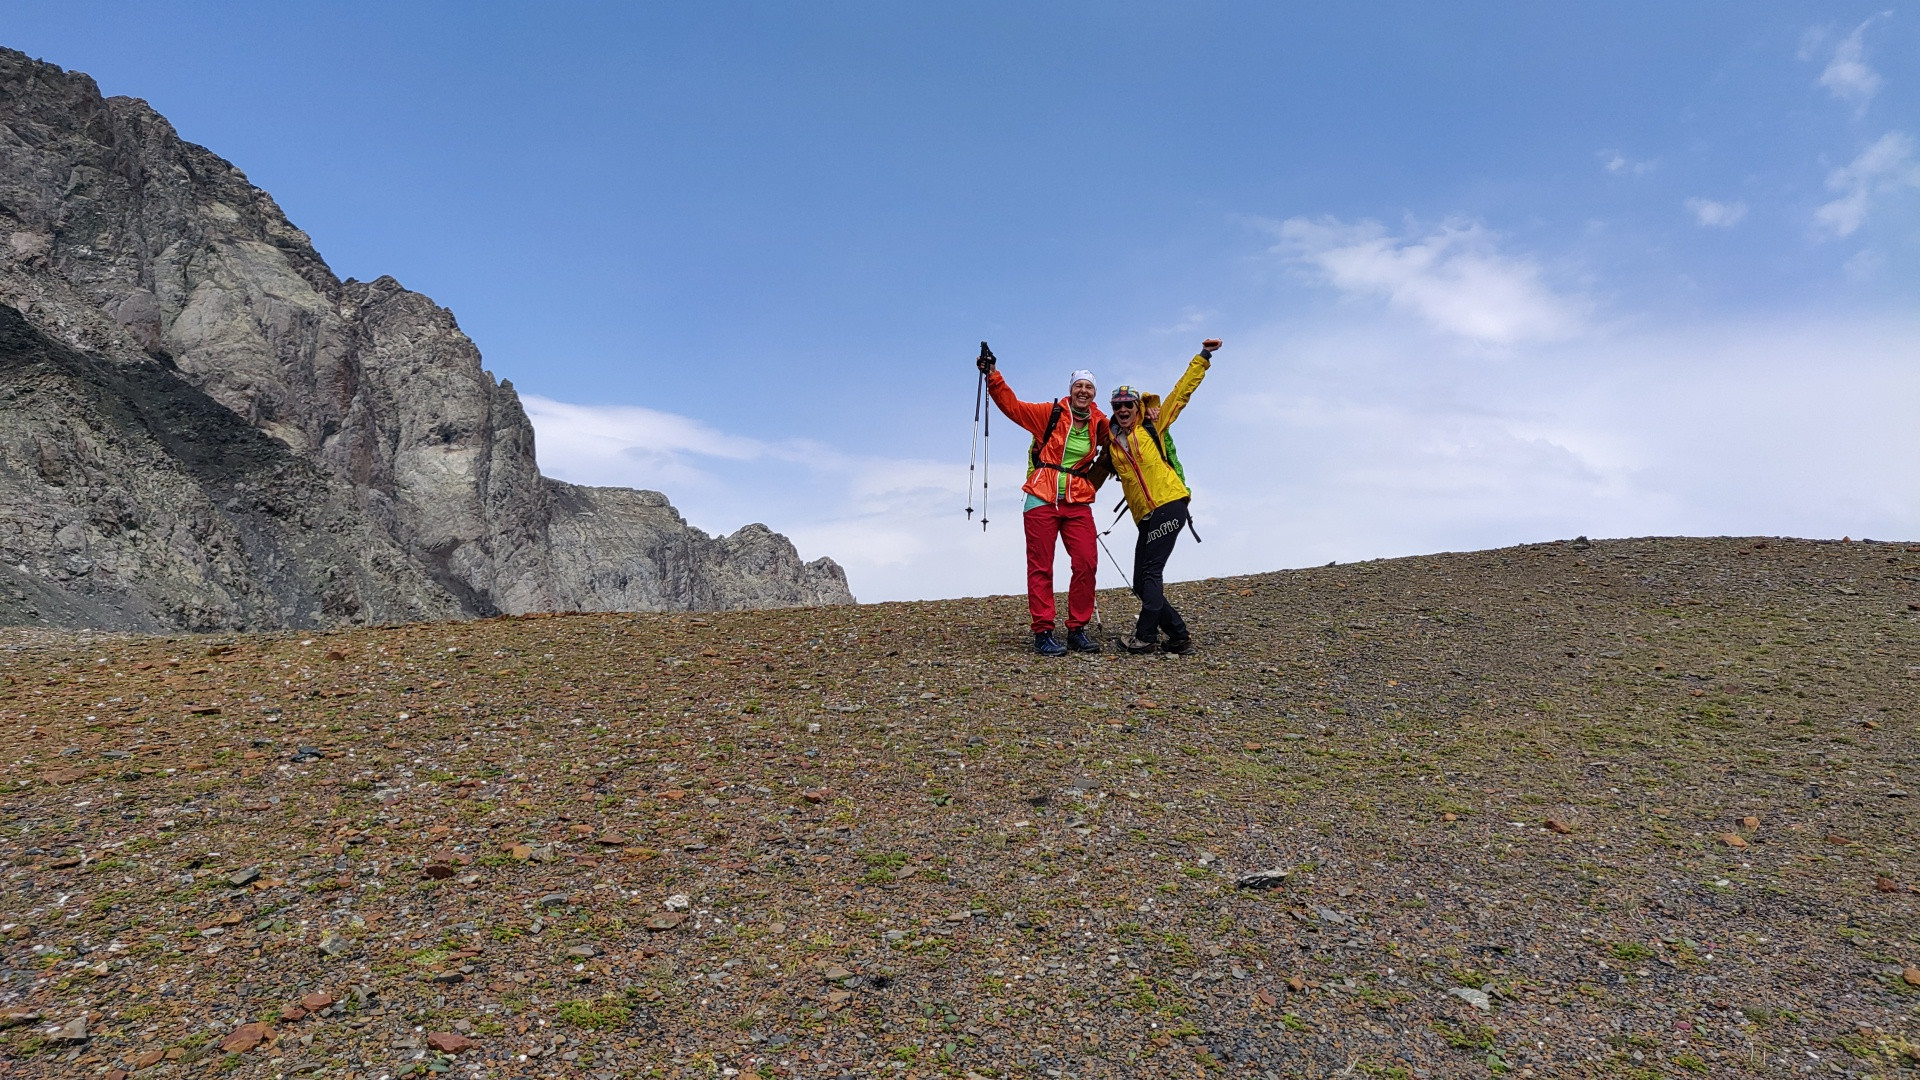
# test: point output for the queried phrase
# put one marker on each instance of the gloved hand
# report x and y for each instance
(986, 361)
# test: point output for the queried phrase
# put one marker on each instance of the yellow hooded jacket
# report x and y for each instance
(1145, 474)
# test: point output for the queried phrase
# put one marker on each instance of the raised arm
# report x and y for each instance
(1031, 415)
(1176, 401)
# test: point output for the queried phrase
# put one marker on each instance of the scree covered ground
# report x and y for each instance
(1643, 808)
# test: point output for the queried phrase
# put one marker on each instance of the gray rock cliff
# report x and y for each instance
(130, 499)
(378, 453)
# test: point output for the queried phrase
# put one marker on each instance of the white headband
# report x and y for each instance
(1083, 373)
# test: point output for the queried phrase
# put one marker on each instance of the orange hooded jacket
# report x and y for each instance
(1044, 482)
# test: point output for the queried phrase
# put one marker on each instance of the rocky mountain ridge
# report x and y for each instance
(142, 266)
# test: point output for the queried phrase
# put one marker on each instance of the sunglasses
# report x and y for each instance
(1118, 405)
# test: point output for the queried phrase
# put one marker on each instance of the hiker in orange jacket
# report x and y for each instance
(1068, 435)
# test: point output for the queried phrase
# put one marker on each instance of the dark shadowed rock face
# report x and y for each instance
(145, 266)
(130, 499)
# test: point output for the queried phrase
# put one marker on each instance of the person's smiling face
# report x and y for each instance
(1081, 392)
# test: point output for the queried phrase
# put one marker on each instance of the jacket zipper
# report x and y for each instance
(1139, 475)
(1061, 473)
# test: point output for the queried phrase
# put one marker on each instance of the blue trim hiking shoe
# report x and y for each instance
(1045, 645)
(1078, 641)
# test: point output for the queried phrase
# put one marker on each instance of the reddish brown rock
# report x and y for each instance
(246, 1037)
(448, 1042)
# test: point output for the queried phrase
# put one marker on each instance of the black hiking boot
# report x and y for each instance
(1179, 646)
(1135, 645)
(1078, 641)
(1046, 646)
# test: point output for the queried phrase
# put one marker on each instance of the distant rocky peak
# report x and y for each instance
(121, 240)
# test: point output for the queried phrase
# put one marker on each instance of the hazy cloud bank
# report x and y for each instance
(1455, 277)
(1360, 439)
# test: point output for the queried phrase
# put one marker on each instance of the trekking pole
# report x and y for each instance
(979, 389)
(1113, 559)
(986, 442)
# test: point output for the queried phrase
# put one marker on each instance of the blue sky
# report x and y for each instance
(1488, 273)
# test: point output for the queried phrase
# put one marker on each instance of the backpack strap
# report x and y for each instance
(1033, 452)
(1083, 470)
(1154, 434)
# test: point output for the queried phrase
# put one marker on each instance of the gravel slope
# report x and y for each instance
(1643, 808)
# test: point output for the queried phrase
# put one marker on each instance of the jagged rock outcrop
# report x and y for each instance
(162, 270)
(133, 500)
(755, 567)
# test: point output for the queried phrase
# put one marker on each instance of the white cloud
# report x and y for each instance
(896, 524)
(598, 436)
(1191, 318)
(1717, 214)
(1369, 445)
(1356, 440)
(1886, 167)
(1454, 277)
(1847, 75)
(1621, 165)
(1864, 265)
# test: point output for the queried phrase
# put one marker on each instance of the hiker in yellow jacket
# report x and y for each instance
(1138, 452)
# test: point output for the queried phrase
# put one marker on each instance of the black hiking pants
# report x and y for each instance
(1158, 531)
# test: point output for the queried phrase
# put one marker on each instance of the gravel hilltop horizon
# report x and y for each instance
(1633, 808)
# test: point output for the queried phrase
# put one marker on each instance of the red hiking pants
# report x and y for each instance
(1073, 523)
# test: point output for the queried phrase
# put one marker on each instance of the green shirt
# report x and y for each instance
(1079, 446)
